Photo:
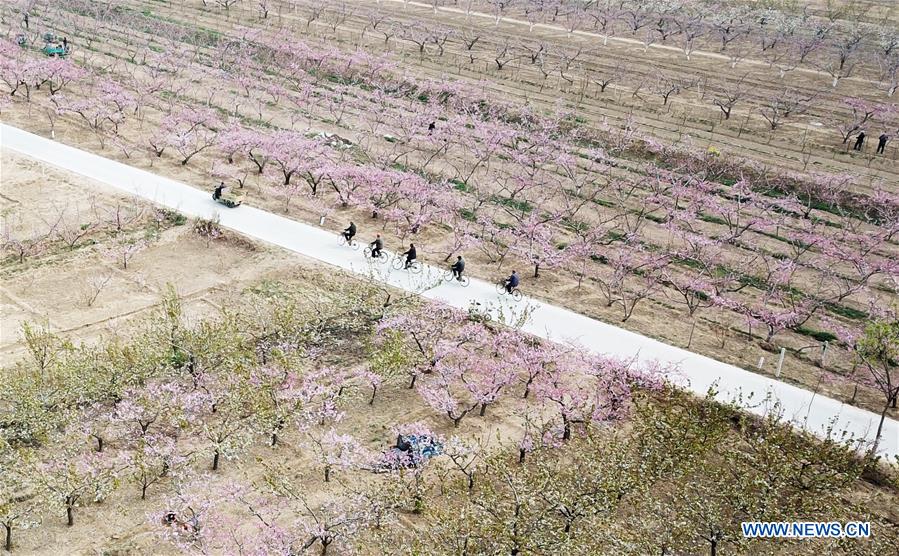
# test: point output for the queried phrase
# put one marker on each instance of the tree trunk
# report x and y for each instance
(70, 515)
(8, 544)
(883, 416)
(483, 409)
(215, 461)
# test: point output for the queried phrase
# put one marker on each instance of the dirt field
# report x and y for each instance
(54, 288)
(716, 333)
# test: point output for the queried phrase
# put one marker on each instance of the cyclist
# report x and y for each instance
(410, 256)
(350, 233)
(512, 281)
(376, 247)
(458, 267)
(217, 194)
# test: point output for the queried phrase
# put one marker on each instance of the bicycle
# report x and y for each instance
(399, 263)
(501, 289)
(449, 276)
(352, 243)
(382, 256)
(479, 313)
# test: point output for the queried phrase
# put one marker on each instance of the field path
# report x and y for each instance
(758, 394)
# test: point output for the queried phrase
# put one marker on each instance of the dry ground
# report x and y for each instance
(49, 289)
(52, 288)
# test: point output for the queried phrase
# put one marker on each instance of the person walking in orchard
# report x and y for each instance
(882, 142)
(859, 141)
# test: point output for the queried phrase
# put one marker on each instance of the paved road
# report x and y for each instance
(697, 373)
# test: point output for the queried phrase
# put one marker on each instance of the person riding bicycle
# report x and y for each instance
(457, 268)
(350, 233)
(410, 255)
(512, 281)
(217, 194)
(376, 246)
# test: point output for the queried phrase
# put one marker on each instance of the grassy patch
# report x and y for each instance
(522, 206)
(820, 335)
(712, 219)
(459, 185)
(575, 225)
(691, 263)
(847, 312)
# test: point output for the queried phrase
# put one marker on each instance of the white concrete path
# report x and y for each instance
(698, 373)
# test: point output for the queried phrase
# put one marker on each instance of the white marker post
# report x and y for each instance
(780, 362)
(824, 356)
(761, 362)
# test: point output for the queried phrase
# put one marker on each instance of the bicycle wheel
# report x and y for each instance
(516, 295)
(448, 276)
(416, 268)
(500, 288)
(397, 263)
(465, 281)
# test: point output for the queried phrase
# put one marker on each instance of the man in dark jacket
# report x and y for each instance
(882, 143)
(376, 246)
(410, 256)
(512, 281)
(350, 232)
(217, 194)
(458, 267)
(859, 141)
